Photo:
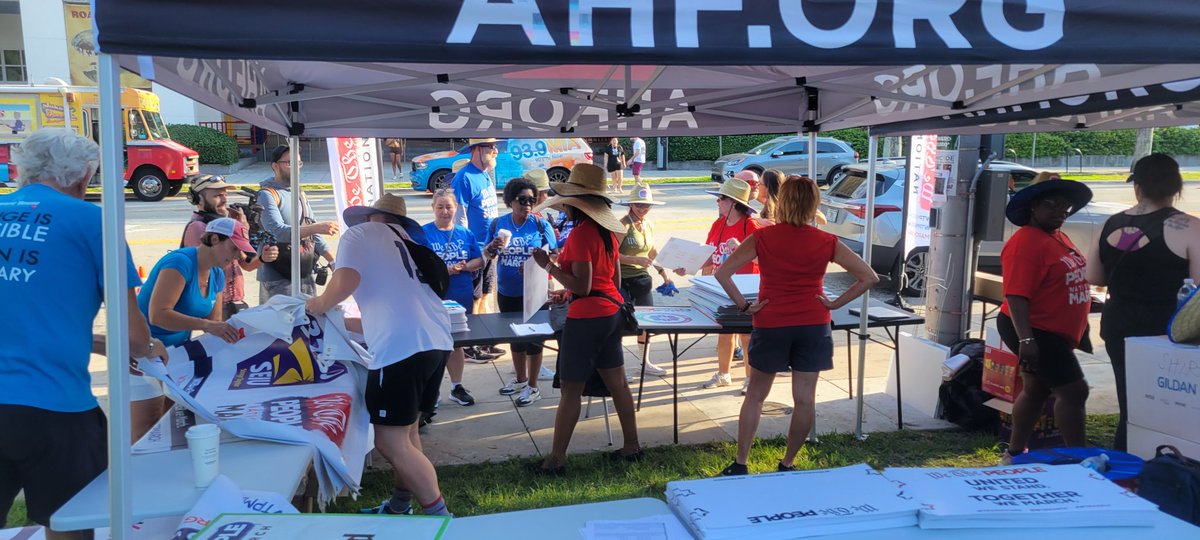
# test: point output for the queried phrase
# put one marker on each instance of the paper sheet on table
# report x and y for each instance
(325, 526)
(685, 254)
(532, 329)
(537, 287)
(660, 527)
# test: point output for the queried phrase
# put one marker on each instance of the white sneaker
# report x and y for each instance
(512, 387)
(718, 380)
(745, 385)
(546, 374)
(529, 395)
(652, 369)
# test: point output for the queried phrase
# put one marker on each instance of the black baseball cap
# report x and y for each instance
(278, 152)
(1156, 167)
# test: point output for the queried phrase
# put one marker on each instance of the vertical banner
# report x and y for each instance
(81, 49)
(922, 168)
(354, 171)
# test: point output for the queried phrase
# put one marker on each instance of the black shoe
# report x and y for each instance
(785, 468)
(619, 455)
(536, 468)
(476, 356)
(492, 349)
(426, 419)
(735, 469)
(460, 396)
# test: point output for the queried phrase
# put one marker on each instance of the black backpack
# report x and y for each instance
(430, 268)
(1172, 481)
(961, 398)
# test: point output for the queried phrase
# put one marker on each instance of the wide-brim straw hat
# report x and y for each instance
(538, 178)
(1020, 207)
(1185, 325)
(736, 189)
(387, 204)
(594, 208)
(585, 179)
(471, 143)
(641, 195)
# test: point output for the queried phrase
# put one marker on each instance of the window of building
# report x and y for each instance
(12, 66)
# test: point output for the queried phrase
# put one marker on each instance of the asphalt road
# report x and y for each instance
(155, 228)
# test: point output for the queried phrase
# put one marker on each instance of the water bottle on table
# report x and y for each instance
(1189, 286)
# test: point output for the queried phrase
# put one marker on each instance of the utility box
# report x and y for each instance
(991, 196)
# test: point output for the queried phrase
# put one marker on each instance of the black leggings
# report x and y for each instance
(516, 304)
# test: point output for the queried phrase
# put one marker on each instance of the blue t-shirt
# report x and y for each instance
(51, 287)
(454, 246)
(476, 196)
(191, 302)
(534, 233)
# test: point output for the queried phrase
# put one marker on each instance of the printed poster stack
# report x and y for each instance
(709, 297)
(791, 505)
(458, 316)
(1021, 496)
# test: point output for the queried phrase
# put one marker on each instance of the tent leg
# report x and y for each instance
(294, 163)
(120, 493)
(812, 156)
(868, 242)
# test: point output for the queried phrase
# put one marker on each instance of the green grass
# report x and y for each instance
(486, 488)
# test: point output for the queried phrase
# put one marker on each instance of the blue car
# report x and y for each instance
(556, 156)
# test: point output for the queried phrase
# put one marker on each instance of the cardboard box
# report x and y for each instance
(920, 373)
(1045, 432)
(1143, 442)
(1000, 371)
(1163, 386)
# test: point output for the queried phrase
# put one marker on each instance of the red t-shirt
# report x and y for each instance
(793, 261)
(720, 233)
(1048, 270)
(584, 244)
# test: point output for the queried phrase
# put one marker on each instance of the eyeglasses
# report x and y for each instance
(488, 147)
(1057, 204)
(526, 201)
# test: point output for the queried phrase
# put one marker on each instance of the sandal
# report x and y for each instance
(619, 455)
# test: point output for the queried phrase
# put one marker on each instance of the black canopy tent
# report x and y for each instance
(600, 67)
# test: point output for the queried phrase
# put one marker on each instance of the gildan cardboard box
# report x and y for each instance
(1163, 386)
(1143, 443)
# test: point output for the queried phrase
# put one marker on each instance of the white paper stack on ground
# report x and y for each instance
(1021, 496)
(790, 505)
(659, 527)
(458, 316)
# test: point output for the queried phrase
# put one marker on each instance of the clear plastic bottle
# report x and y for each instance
(1184, 292)
(1098, 463)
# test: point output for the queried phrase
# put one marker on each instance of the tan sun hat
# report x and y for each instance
(1185, 325)
(387, 204)
(539, 178)
(454, 167)
(641, 195)
(590, 205)
(471, 143)
(736, 189)
(585, 179)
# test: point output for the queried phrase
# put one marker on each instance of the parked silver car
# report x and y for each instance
(844, 205)
(790, 155)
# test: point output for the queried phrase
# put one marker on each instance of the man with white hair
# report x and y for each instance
(52, 283)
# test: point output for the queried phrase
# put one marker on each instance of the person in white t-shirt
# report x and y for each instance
(408, 332)
(639, 159)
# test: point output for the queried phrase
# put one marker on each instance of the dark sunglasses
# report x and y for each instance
(527, 201)
(1057, 204)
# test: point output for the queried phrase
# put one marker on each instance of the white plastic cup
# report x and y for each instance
(504, 235)
(204, 442)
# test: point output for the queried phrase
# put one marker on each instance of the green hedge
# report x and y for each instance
(1177, 141)
(214, 147)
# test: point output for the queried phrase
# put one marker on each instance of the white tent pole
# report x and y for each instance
(868, 236)
(812, 155)
(116, 286)
(294, 159)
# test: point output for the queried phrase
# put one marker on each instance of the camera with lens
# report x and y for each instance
(321, 274)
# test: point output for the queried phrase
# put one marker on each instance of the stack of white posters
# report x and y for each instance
(790, 505)
(458, 316)
(1021, 496)
(747, 284)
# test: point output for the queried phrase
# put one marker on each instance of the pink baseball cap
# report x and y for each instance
(231, 228)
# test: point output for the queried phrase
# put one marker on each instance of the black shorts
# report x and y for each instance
(807, 348)
(516, 304)
(588, 345)
(398, 393)
(1057, 364)
(638, 289)
(51, 455)
(484, 279)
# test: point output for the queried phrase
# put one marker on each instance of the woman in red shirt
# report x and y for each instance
(1045, 310)
(732, 227)
(591, 339)
(791, 315)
